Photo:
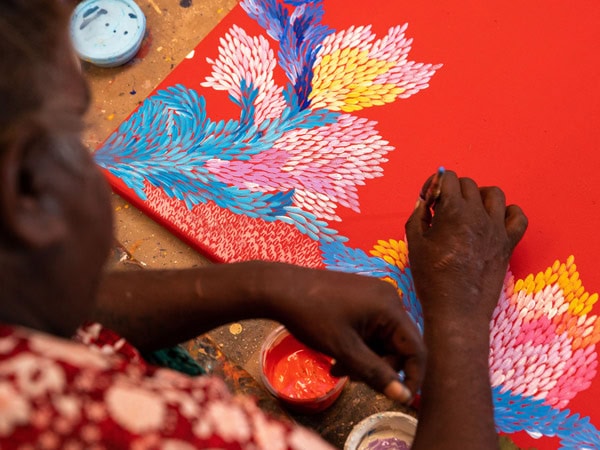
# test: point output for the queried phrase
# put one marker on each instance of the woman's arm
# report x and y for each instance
(459, 258)
(357, 320)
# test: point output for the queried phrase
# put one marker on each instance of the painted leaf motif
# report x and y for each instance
(248, 59)
(353, 71)
(543, 343)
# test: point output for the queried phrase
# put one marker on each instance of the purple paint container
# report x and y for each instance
(388, 430)
(392, 443)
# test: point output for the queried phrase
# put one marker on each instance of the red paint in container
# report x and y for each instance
(298, 375)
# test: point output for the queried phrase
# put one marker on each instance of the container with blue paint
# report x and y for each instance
(107, 33)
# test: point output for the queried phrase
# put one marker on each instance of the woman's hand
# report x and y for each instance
(357, 320)
(459, 255)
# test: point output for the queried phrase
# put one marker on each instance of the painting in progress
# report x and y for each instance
(301, 131)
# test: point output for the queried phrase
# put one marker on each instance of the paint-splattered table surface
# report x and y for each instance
(173, 29)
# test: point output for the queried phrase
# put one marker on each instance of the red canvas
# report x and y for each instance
(303, 131)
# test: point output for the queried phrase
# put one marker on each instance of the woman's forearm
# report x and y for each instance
(158, 308)
(456, 406)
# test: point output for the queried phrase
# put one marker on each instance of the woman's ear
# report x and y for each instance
(31, 211)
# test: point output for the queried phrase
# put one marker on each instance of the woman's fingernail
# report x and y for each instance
(418, 203)
(397, 391)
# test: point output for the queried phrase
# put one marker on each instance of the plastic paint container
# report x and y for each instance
(388, 430)
(298, 375)
(107, 33)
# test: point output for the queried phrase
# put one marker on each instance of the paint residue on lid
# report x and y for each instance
(107, 33)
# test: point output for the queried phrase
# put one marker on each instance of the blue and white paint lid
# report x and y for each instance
(107, 33)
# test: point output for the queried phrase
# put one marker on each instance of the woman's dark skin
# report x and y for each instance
(56, 231)
(459, 258)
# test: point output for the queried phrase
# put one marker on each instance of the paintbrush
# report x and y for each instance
(431, 193)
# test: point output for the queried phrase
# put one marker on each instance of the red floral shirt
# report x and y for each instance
(99, 393)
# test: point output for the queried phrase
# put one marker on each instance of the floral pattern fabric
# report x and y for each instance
(98, 393)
